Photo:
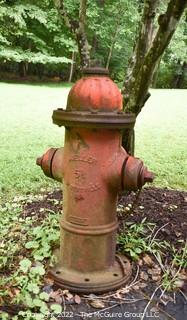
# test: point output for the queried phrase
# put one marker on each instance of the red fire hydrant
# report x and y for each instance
(94, 168)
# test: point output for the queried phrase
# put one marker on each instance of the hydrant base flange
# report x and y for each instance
(93, 282)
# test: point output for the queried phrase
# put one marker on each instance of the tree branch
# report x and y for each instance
(78, 29)
(139, 81)
(114, 35)
(143, 43)
(59, 4)
(81, 34)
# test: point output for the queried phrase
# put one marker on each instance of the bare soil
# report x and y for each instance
(162, 207)
(159, 206)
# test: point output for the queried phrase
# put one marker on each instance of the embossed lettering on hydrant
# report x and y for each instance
(80, 176)
(90, 160)
(91, 187)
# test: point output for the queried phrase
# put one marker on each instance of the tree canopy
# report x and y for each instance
(45, 35)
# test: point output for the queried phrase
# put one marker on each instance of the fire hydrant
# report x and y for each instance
(94, 168)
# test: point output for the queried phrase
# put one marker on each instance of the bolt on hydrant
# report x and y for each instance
(94, 168)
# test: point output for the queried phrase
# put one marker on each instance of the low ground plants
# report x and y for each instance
(140, 238)
(25, 253)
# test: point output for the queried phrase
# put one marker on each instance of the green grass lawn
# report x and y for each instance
(27, 131)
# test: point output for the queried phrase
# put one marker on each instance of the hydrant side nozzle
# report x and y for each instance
(135, 174)
(39, 161)
(148, 176)
(51, 163)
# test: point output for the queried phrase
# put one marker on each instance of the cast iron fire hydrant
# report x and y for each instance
(94, 168)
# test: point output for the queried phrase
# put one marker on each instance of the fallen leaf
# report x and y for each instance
(77, 299)
(178, 234)
(156, 277)
(140, 262)
(182, 275)
(142, 284)
(165, 299)
(179, 283)
(65, 291)
(67, 295)
(136, 287)
(98, 304)
(56, 296)
(154, 271)
(147, 260)
(144, 275)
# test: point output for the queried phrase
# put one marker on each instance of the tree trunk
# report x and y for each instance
(178, 78)
(72, 66)
(128, 141)
(147, 52)
(82, 40)
(114, 38)
(155, 74)
(23, 67)
(78, 28)
(182, 76)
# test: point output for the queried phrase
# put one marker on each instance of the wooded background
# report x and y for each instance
(39, 39)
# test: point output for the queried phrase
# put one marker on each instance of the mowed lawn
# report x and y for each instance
(27, 131)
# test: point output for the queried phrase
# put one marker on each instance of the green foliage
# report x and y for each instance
(137, 239)
(19, 55)
(140, 238)
(119, 17)
(174, 57)
(171, 278)
(31, 33)
(26, 274)
(37, 35)
(44, 236)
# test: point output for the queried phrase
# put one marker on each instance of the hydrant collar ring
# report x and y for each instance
(93, 119)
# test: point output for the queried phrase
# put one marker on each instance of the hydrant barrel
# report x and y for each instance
(95, 168)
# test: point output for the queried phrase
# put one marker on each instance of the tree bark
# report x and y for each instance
(78, 28)
(147, 53)
(143, 43)
(114, 38)
(72, 66)
(155, 73)
(23, 68)
(178, 78)
(81, 35)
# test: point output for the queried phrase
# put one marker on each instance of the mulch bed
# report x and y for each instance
(159, 206)
(163, 207)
